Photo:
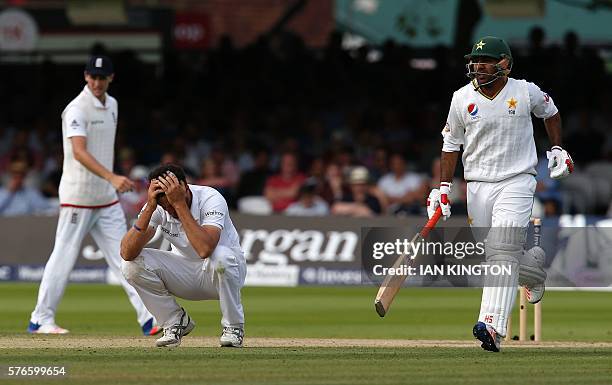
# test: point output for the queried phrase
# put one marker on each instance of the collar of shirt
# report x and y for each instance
(97, 103)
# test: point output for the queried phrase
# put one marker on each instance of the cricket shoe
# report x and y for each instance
(491, 341)
(150, 328)
(232, 337)
(35, 328)
(173, 334)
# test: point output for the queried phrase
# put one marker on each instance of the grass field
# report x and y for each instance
(102, 312)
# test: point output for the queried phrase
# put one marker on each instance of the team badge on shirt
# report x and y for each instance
(511, 106)
(472, 109)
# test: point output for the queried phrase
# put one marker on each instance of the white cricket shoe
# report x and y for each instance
(173, 334)
(50, 329)
(232, 337)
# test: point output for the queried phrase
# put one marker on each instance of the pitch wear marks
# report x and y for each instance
(497, 145)
(87, 116)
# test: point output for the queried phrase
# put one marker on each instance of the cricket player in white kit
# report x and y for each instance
(206, 260)
(88, 197)
(490, 118)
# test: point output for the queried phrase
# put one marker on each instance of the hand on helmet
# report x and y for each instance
(439, 197)
(560, 163)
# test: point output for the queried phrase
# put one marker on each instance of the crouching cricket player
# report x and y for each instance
(206, 260)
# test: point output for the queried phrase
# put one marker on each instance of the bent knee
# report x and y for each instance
(131, 270)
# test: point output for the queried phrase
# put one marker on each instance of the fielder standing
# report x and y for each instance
(88, 197)
(206, 260)
(490, 118)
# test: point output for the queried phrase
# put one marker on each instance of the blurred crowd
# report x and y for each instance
(277, 127)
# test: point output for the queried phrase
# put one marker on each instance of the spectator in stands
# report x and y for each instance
(404, 190)
(211, 175)
(333, 184)
(226, 166)
(308, 203)
(127, 160)
(16, 198)
(253, 182)
(133, 201)
(282, 189)
(380, 162)
(358, 201)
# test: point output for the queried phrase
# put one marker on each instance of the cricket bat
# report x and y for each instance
(392, 283)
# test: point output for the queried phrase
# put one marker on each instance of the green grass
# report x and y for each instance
(317, 312)
(322, 366)
(321, 313)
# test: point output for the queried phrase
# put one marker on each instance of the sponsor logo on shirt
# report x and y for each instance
(165, 230)
(213, 213)
(74, 124)
(472, 109)
(97, 122)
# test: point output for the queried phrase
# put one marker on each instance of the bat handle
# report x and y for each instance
(537, 231)
(432, 222)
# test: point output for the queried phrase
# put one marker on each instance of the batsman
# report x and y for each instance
(490, 118)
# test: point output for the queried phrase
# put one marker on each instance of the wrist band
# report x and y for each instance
(137, 228)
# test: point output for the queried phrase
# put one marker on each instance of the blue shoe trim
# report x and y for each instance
(482, 334)
(33, 327)
(146, 328)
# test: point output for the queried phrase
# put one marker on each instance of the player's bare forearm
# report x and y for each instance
(204, 239)
(135, 240)
(448, 163)
(79, 148)
(553, 129)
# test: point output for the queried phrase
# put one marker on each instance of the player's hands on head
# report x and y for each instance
(560, 163)
(439, 198)
(152, 193)
(174, 190)
(121, 183)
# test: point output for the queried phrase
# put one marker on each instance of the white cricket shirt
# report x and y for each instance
(208, 207)
(496, 134)
(87, 116)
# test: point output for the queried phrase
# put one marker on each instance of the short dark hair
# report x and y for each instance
(173, 168)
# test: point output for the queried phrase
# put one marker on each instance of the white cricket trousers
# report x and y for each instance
(504, 204)
(159, 276)
(107, 226)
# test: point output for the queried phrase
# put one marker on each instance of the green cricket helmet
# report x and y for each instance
(493, 47)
